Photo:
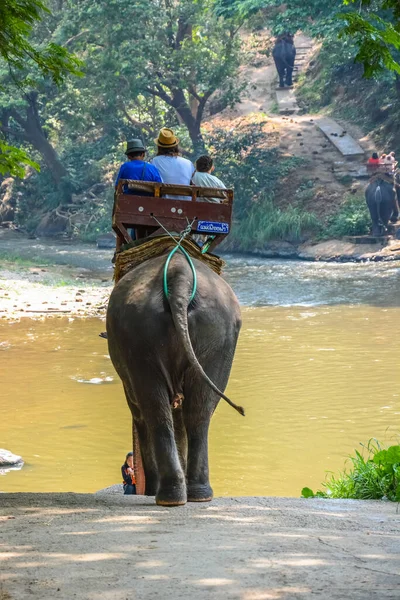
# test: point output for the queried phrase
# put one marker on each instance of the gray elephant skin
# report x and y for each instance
(284, 54)
(174, 358)
(382, 202)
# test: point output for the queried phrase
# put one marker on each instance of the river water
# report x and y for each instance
(317, 369)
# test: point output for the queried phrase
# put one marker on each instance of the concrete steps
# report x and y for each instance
(287, 102)
(346, 145)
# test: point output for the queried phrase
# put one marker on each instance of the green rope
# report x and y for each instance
(170, 255)
(207, 244)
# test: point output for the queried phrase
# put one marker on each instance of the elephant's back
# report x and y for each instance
(211, 285)
(143, 286)
(386, 189)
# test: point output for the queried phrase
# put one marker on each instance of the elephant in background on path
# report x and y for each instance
(284, 54)
(173, 357)
(382, 202)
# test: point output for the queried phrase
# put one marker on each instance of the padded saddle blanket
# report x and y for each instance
(156, 246)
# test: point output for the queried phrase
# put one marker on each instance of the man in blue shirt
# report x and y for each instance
(136, 167)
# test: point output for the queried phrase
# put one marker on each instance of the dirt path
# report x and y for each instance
(94, 547)
(298, 134)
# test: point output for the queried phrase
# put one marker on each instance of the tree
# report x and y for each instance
(178, 53)
(375, 26)
(23, 66)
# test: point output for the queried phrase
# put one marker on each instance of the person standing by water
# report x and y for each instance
(128, 475)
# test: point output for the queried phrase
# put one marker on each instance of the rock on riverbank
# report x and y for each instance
(331, 251)
(101, 546)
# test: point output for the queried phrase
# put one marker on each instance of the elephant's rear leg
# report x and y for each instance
(395, 214)
(198, 407)
(289, 76)
(281, 71)
(154, 403)
(373, 211)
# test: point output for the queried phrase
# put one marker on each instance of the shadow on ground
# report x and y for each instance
(110, 547)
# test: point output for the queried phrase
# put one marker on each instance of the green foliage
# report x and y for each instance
(182, 55)
(17, 18)
(373, 477)
(12, 161)
(373, 26)
(377, 38)
(265, 222)
(99, 222)
(22, 66)
(244, 160)
(352, 218)
(307, 492)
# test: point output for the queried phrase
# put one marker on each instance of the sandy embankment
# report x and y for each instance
(44, 291)
(109, 547)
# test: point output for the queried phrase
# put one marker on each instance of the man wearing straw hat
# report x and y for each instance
(136, 167)
(172, 167)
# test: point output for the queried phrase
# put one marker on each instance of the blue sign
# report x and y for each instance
(212, 227)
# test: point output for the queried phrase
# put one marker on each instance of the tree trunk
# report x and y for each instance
(33, 133)
(36, 136)
(197, 138)
(194, 105)
(191, 122)
(178, 101)
(46, 150)
(397, 83)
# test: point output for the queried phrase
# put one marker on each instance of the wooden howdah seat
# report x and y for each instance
(384, 168)
(149, 208)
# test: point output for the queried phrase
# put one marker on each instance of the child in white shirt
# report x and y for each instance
(203, 177)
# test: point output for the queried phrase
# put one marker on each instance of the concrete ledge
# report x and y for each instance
(346, 145)
(105, 547)
(381, 240)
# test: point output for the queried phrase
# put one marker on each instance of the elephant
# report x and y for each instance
(382, 202)
(174, 357)
(284, 54)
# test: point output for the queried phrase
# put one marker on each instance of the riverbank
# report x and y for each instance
(37, 291)
(333, 251)
(121, 548)
(61, 278)
(52, 277)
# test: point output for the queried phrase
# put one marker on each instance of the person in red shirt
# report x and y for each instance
(128, 475)
(374, 161)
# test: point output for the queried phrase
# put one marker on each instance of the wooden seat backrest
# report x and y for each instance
(165, 189)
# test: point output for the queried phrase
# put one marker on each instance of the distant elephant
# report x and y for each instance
(173, 357)
(381, 199)
(284, 54)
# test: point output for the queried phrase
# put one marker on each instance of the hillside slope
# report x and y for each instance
(322, 171)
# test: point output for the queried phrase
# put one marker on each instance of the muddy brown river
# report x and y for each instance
(317, 369)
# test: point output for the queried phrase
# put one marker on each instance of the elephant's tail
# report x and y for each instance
(378, 201)
(178, 299)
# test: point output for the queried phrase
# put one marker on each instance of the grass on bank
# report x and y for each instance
(10, 260)
(267, 222)
(351, 218)
(375, 476)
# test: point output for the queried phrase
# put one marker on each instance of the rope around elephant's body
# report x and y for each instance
(188, 258)
(183, 235)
